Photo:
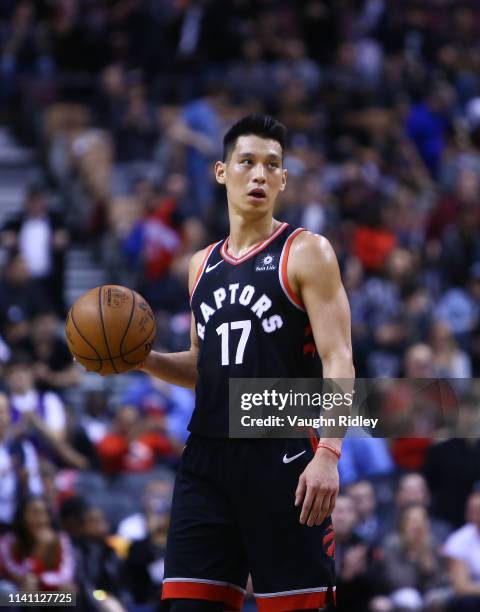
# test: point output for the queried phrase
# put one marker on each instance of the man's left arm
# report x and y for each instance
(315, 276)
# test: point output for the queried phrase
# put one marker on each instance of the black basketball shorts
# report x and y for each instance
(233, 514)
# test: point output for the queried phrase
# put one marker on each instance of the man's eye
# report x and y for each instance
(273, 165)
(246, 161)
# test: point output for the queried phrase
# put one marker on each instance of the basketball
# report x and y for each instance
(110, 329)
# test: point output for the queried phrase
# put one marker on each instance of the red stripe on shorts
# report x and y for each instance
(203, 590)
(299, 601)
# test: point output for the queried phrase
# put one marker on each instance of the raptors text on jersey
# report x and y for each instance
(249, 323)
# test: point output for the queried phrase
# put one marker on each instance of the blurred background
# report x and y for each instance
(111, 116)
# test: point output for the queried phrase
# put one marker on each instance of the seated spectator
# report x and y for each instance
(460, 248)
(354, 586)
(452, 467)
(427, 124)
(413, 489)
(411, 569)
(381, 310)
(133, 444)
(445, 211)
(34, 556)
(458, 307)
(70, 513)
(95, 419)
(415, 409)
(136, 130)
(40, 237)
(369, 524)
(25, 397)
(152, 244)
(145, 561)
(20, 299)
(98, 566)
(53, 365)
(462, 550)
(18, 467)
(156, 500)
(450, 361)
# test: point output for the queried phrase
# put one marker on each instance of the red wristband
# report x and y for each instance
(329, 447)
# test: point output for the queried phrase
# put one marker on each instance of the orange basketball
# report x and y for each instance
(110, 329)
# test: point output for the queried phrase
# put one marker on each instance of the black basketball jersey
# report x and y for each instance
(249, 323)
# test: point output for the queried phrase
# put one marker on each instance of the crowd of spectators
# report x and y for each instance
(125, 103)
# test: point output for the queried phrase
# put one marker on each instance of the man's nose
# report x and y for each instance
(259, 173)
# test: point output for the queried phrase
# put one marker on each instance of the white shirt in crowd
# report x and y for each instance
(54, 416)
(8, 479)
(464, 545)
(34, 241)
(133, 527)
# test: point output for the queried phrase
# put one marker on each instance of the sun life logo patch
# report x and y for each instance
(266, 263)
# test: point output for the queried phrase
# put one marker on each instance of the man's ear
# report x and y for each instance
(220, 172)
(284, 180)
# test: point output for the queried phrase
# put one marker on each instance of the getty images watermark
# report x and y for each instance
(291, 400)
(285, 408)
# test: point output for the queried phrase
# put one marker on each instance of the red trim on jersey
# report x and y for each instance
(283, 269)
(313, 439)
(228, 594)
(256, 248)
(309, 349)
(202, 268)
(297, 601)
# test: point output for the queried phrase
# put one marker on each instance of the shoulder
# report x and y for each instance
(197, 262)
(198, 258)
(459, 541)
(312, 258)
(313, 249)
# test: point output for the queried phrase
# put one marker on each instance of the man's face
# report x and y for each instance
(253, 174)
(363, 498)
(35, 205)
(412, 490)
(95, 525)
(44, 327)
(344, 516)
(20, 379)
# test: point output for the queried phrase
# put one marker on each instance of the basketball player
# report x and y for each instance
(258, 506)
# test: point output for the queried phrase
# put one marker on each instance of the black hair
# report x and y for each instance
(73, 508)
(24, 541)
(35, 188)
(20, 357)
(255, 124)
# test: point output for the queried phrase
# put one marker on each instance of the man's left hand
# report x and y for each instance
(318, 487)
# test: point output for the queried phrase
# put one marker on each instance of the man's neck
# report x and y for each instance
(245, 233)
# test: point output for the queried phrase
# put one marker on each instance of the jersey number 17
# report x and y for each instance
(223, 330)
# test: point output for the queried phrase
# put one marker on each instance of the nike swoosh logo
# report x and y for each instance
(209, 268)
(289, 459)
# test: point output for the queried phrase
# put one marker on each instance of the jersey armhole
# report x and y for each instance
(282, 270)
(202, 268)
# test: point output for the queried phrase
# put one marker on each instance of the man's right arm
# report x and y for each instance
(179, 368)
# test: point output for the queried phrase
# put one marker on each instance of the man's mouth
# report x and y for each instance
(258, 194)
